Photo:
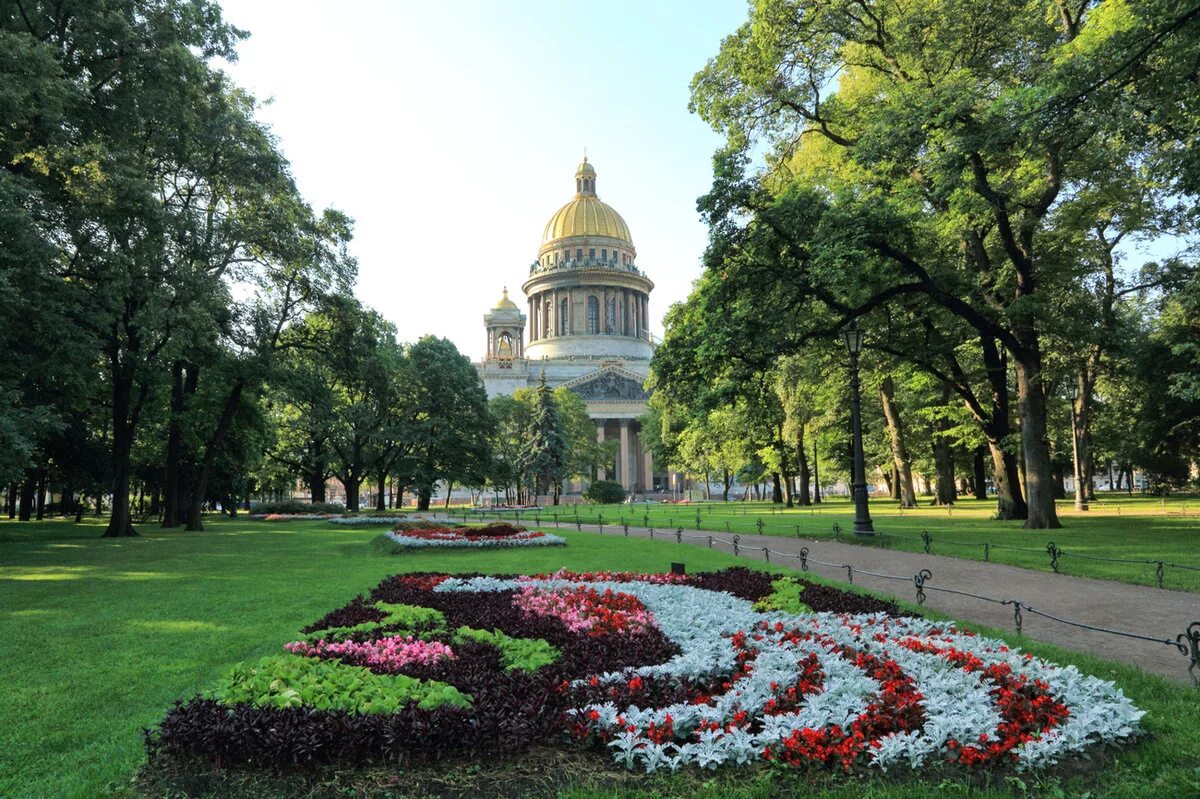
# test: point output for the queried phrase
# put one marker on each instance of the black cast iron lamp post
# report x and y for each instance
(862, 517)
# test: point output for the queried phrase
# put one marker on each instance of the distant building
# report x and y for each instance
(588, 315)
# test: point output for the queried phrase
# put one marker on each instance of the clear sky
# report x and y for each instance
(450, 131)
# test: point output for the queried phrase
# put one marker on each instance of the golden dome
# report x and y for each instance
(505, 304)
(586, 215)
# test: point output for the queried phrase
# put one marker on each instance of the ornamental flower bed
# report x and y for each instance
(408, 536)
(659, 671)
(291, 517)
(363, 521)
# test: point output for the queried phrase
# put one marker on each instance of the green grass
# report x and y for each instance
(1116, 526)
(101, 636)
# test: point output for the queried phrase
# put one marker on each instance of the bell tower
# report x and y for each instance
(505, 333)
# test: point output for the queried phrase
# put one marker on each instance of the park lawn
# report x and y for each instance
(1117, 526)
(101, 636)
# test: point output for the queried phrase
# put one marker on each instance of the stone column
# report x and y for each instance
(554, 313)
(647, 470)
(601, 474)
(625, 459)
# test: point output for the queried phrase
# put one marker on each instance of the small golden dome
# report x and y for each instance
(586, 215)
(505, 304)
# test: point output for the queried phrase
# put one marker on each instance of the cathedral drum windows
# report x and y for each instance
(593, 315)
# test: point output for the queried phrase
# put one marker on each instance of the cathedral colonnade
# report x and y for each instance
(634, 463)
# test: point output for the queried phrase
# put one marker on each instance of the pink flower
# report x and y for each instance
(389, 654)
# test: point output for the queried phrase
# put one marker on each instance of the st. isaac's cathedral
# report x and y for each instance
(588, 318)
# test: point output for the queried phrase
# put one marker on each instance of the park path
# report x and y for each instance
(1154, 612)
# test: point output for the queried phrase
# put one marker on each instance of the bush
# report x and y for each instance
(294, 506)
(605, 492)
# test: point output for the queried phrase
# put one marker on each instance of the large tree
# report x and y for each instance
(451, 424)
(923, 159)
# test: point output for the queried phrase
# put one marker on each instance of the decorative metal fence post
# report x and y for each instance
(1055, 553)
(919, 581)
(555, 515)
(727, 525)
(837, 532)
(797, 531)
(679, 535)
(697, 518)
(1158, 573)
(803, 559)
(760, 526)
(987, 551)
(849, 572)
(651, 533)
(1017, 615)
(1189, 645)
(710, 542)
(766, 555)
(928, 539)
(626, 526)
(645, 520)
(736, 543)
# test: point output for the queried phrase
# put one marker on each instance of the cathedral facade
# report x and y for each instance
(585, 324)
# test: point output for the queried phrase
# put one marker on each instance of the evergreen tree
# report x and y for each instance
(545, 456)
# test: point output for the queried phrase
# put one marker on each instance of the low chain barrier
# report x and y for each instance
(1186, 643)
(925, 540)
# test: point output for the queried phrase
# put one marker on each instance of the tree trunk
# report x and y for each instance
(903, 465)
(316, 484)
(41, 494)
(980, 472)
(196, 510)
(816, 465)
(726, 483)
(1081, 456)
(1058, 476)
(380, 501)
(449, 489)
(119, 522)
(892, 482)
(802, 472)
(174, 448)
(28, 491)
(12, 500)
(423, 494)
(353, 485)
(943, 461)
(943, 457)
(1031, 404)
(776, 488)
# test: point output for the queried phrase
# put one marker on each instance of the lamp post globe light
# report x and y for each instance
(853, 336)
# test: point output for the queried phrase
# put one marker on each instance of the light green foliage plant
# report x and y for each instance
(293, 681)
(526, 654)
(401, 619)
(784, 596)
